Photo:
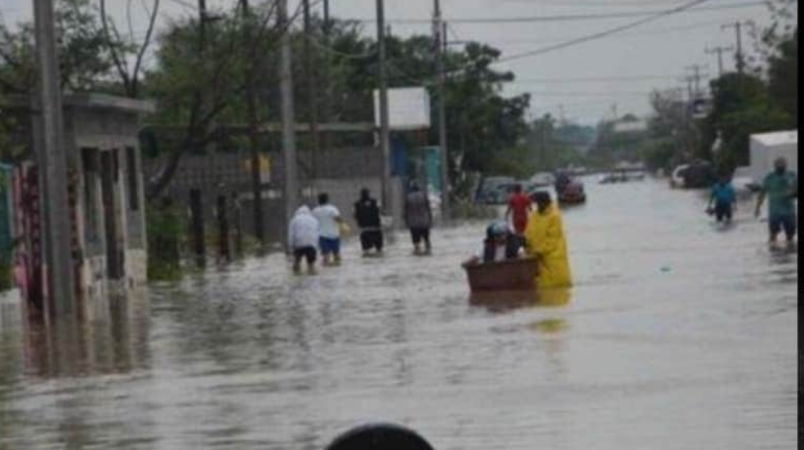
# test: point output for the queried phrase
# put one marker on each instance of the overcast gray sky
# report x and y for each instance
(587, 80)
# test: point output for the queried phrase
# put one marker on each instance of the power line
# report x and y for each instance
(602, 34)
(668, 30)
(571, 17)
(563, 80)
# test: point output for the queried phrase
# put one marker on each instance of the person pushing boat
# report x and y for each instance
(545, 240)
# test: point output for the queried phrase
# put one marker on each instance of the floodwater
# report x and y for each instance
(678, 335)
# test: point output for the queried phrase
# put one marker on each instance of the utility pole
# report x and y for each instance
(53, 167)
(696, 79)
(202, 23)
(326, 100)
(385, 133)
(288, 114)
(719, 52)
(312, 91)
(740, 57)
(253, 124)
(440, 31)
(690, 93)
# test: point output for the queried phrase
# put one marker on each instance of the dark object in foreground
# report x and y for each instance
(512, 275)
(380, 437)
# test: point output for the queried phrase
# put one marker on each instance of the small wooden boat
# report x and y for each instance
(512, 275)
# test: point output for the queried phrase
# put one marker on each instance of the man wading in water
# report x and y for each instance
(781, 189)
(367, 215)
(418, 218)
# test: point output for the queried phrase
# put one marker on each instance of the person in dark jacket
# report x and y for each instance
(368, 217)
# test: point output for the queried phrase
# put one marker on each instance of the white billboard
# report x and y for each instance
(408, 108)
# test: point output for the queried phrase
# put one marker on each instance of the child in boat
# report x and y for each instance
(501, 244)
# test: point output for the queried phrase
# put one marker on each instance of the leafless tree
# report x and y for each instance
(129, 77)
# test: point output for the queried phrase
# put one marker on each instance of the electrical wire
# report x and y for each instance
(567, 17)
(605, 33)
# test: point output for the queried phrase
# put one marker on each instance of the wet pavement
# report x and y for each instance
(678, 335)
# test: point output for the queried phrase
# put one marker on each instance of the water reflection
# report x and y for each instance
(71, 347)
(504, 302)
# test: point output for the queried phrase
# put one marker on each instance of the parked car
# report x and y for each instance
(488, 192)
(573, 194)
(543, 179)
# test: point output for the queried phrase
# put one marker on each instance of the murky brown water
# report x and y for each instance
(677, 336)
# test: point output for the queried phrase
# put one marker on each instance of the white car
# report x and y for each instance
(544, 179)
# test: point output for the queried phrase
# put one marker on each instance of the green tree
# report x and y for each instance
(783, 76)
(84, 51)
(741, 107)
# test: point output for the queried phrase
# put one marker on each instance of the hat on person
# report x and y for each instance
(498, 229)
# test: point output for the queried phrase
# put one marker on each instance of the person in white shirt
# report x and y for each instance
(303, 236)
(329, 218)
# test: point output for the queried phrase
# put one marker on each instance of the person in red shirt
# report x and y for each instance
(520, 207)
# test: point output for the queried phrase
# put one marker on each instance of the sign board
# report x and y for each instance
(408, 108)
(265, 168)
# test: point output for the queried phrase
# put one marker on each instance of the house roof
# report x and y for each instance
(89, 101)
(777, 138)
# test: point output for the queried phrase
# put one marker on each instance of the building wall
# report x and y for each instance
(340, 172)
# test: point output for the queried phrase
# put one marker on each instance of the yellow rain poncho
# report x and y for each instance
(545, 239)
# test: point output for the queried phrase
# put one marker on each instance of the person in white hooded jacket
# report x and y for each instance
(303, 237)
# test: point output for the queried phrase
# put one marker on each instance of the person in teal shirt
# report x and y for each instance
(724, 198)
(781, 189)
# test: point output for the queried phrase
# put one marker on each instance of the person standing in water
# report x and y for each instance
(303, 239)
(545, 240)
(520, 207)
(329, 220)
(418, 218)
(781, 189)
(368, 217)
(724, 199)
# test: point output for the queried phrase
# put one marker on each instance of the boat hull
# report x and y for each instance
(514, 275)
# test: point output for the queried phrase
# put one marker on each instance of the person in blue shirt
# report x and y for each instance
(724, 198)
(781, 189)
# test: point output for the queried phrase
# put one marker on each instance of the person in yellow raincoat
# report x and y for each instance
(544, 239)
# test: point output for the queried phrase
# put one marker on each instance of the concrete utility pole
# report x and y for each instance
(696, 79)
(53, 167)
(739, 56)
(326, 100)
(288, 114)
(440, 32)
(253, 125)
(719, 52)
(385, 129)
(312, 90)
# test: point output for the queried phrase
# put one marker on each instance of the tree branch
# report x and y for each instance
(141, 53)
(121, 69)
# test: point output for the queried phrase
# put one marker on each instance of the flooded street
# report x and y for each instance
(678, 335)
